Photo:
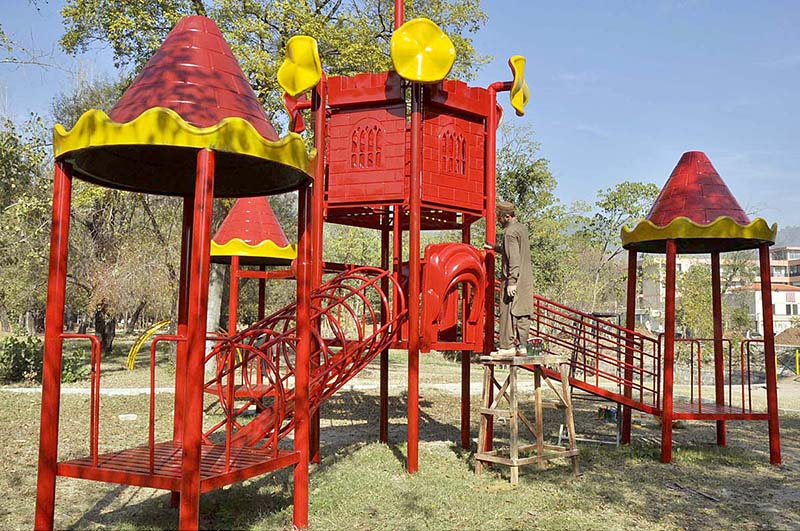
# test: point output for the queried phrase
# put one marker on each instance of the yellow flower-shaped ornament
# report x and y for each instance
(302, 68)
(422, 52)
(520, 92)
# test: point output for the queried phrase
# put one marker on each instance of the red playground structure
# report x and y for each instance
(399, 152)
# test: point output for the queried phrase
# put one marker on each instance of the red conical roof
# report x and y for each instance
(252, 231)
(698, 211)
(696, 191)
(251, 220)
(195, 74)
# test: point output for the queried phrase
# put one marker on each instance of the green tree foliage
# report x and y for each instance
(622, 204)
(524, 178)
(24, 221)
(353, 36)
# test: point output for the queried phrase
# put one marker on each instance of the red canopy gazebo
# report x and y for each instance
(191, 126)
(251, 235)
(696, 213)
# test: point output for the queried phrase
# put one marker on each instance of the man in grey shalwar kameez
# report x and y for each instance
(516, 297)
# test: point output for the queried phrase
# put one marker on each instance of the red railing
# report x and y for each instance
(94, 393)
(731, 371)
(606, 358)
(349, 332)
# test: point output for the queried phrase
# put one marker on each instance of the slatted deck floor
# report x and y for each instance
(133, 466)
(711, 411)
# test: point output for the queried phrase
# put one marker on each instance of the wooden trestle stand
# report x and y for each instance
(506, 404)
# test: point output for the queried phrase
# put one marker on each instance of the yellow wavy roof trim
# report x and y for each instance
(724, 227)
(265, 249)
(165, 127)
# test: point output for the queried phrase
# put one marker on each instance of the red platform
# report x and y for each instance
(132, 466)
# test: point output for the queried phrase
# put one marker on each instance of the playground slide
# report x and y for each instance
(358, 313)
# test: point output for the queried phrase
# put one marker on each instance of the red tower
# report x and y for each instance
(190, 126)
(696, 213)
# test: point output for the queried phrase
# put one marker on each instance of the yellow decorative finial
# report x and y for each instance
(520, 93)
(302, 68)
(422, 52)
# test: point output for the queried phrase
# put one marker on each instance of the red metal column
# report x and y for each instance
(719, 358)
(233, 306)
(491, 235)
(183, 318)
(383, 423)
(200, 265)
(630, 324)
(769, 353)
(466, 440)
(399, 13)
(414, 215)
(669, 354)
(302, 360)
(54, 327)
(318, 106)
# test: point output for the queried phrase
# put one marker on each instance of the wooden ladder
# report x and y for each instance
(506, 404)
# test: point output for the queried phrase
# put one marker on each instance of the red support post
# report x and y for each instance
(769, 354)
(414, 269)
(491, 234)
(466, 439)
(719, 357)
(302, 361)
(669, 354)
(183, 317)
(200, 265)
(399, 13)
(54, 326)
(383, 423)
(318, 107)
(630, 324)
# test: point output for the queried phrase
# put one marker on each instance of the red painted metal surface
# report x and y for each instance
(350, 306)
(195, 74)
(466, 439)
(251, 220)
(302, 368)
(383, 421)
(448, 268)
(318, 107)
(719, 362)
(414, 211)
(367, 135)
(606, 359)
(453, 146)
(200, 264)
(769, 355)
(54, 325)
(695, 190)
(669, 354)
(630, 324)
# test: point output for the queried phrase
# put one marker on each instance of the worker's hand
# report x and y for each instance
(488, 246)
(511, 291)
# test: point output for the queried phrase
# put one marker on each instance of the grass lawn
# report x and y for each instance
(361, 484)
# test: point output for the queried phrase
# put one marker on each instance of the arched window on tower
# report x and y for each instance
(367, 147)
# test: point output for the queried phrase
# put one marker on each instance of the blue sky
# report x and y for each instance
(620, 89)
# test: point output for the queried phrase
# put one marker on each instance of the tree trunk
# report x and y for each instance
(135, 317)
(30, 323)
(216, 285)
(105, 327)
